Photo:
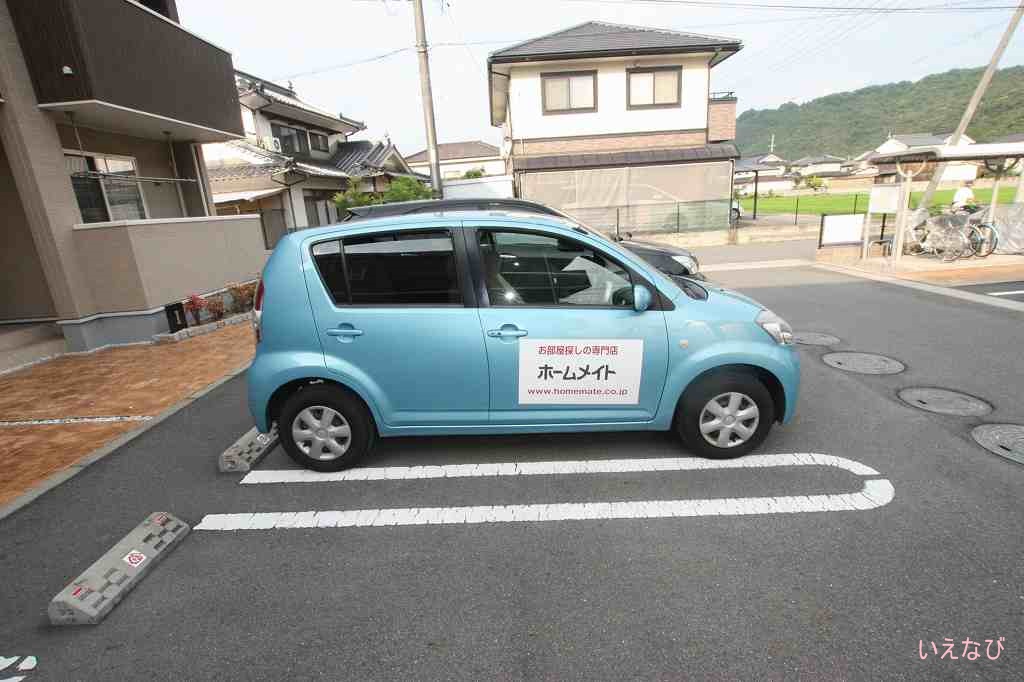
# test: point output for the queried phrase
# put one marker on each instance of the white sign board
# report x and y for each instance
(884, 199)
(842, 229)
(580, 371)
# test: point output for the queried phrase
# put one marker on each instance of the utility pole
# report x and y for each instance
(428, 99)
(771, 149)
(972, 105)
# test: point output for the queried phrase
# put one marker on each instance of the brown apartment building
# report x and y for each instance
(105, 209)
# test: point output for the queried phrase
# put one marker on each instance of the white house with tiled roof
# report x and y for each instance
(955, 172)
(457, 158)
(295, 157)
(604, 120)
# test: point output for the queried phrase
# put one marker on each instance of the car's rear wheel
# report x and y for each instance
(726, 414)
(734, 214)
(324, 428)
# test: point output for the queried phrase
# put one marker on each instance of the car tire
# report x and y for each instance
(734, 214)
(339, 429)
(734, 393)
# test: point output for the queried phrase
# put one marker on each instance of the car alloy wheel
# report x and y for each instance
(321, 433)
(729, 419)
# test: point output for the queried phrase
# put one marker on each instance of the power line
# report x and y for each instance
(376, 57)
(921, 9)
(832, 12)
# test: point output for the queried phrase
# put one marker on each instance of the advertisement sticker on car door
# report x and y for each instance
(580, 371)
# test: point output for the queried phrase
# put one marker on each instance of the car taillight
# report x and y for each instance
(257, 311)
(258, 300)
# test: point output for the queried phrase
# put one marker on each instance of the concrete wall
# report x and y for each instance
(152, 159)
(612, 116)
(138, 265)
(493, 187)
(24, 292)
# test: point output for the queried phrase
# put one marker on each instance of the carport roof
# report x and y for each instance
(971, 152)
(644, 157)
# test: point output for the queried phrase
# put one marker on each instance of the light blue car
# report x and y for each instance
(467, 322)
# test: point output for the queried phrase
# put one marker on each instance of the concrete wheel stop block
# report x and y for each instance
(92, 595)
(247, 451)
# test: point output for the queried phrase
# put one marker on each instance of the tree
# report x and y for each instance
(353, 196)
(473, 174)
(400, 189)
(813, 182)
(406, 189)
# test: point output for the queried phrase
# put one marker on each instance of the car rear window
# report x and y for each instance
(395, 268)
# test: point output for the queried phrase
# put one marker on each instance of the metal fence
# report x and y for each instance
(689, 216)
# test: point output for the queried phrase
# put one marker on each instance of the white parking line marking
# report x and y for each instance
(875, 493)
(593, 466)
(76, 420)
(1006, 293)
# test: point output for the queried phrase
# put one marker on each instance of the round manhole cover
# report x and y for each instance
(815, 339)
(1005, 440)
(944, 401)
(863, 363)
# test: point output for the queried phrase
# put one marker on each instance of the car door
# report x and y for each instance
(564, 344)
(396, 316)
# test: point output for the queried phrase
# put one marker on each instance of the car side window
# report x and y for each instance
(394, 268)
(530, 269)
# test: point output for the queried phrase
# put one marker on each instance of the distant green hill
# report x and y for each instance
(848, 123)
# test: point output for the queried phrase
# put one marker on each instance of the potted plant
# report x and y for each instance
(194, 305)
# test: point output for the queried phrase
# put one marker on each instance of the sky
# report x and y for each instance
(357, 57)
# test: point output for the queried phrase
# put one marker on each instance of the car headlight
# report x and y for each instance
(689, 262)
(776, 327)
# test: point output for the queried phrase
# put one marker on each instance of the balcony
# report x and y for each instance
(135, 265)
(118, 66)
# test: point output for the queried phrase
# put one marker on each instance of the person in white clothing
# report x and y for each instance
(964, 196)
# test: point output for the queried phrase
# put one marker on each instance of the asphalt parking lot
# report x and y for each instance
(1007, 291)
(736, 590)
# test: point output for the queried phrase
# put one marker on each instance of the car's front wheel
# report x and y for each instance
(734, 214)
(726, 414)
(324, 428)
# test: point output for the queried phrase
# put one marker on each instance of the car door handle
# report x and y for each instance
(344, 332)
(506, 333)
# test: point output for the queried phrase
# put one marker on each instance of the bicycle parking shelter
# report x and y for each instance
(999, 159)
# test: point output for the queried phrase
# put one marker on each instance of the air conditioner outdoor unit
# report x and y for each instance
(273, 143)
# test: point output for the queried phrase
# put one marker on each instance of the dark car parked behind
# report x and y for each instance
(671, 260)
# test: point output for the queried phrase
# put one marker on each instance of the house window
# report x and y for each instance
(654, 87)
(569, 92)
(114, 195)
(293, 140)
(319, 142)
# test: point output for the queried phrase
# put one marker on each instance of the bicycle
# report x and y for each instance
(941, 237)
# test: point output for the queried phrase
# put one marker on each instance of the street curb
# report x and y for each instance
(982, 299)
(99, 453)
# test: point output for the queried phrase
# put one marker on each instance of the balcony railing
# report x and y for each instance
(722, 95)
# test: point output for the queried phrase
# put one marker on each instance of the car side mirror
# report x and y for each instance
(641, 298)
